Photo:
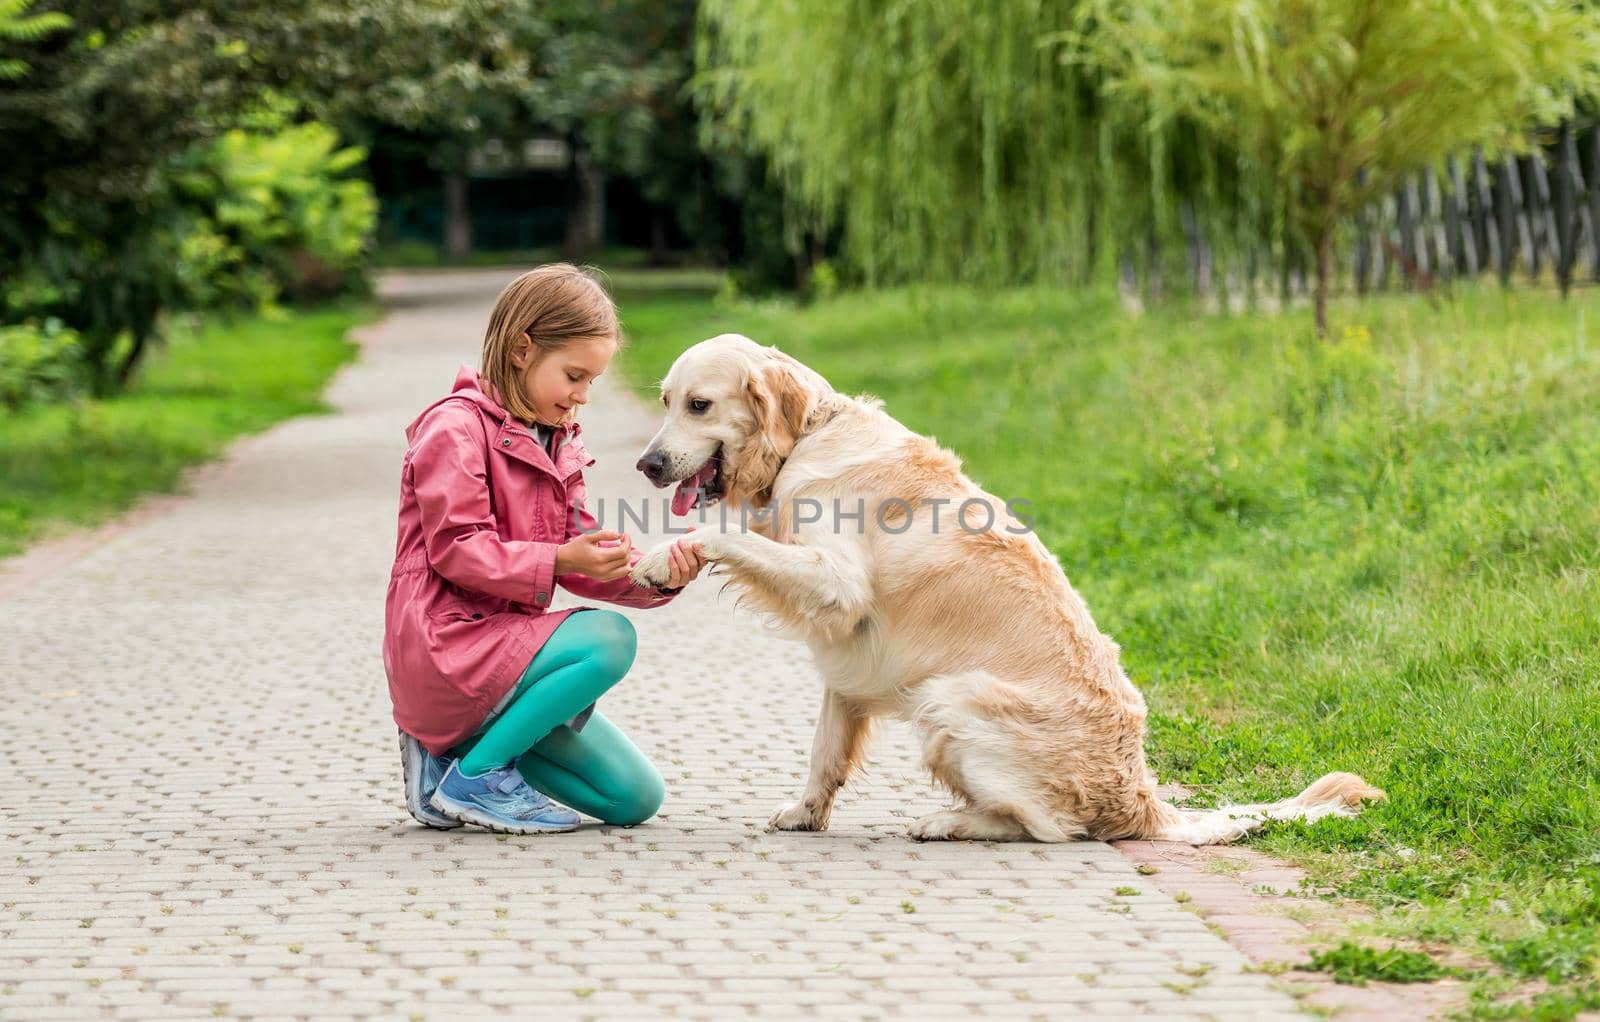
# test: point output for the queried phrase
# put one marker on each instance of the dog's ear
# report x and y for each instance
(781, 401)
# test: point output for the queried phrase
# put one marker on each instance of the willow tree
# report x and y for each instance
(1340, 100)
(949, 139)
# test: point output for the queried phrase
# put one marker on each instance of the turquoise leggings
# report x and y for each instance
(596, 771)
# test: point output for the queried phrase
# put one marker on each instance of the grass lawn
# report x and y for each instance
(1378, 554)
(79, 463)
(413, 255)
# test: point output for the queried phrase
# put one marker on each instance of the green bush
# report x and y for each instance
(244, 220)
(277, 216)
(37, 362)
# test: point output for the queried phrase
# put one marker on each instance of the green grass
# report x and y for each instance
(1378, 554)
(79, 463)
(1353, 963)
(413, 255)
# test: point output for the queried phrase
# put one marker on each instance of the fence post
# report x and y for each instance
(1485, 231)
(1583, 229)
(1434, 231)
(1513, 224)
(1359, 264)
(1569, 181)
(1284, 267)
(1380, 252)
(1152, 255)
(1458, 230)
(1594, 202)
(1535, 203)
(1406, 207)
(1191, 243)
(1250, 277)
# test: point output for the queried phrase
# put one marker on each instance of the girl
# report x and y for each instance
(494, 692)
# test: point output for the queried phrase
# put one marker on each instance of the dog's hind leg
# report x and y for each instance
(975, 744)
(959, 825)
(837, 749)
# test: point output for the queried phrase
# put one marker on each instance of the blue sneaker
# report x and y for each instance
(422, 771)
(500, 800)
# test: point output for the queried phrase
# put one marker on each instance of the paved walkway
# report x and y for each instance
(204, 810)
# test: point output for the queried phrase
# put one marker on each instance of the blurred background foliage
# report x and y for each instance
(165, 156)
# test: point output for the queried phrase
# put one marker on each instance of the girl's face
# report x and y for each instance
(557, 384)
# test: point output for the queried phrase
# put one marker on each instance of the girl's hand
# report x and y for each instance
(601, 555)
(687, 560)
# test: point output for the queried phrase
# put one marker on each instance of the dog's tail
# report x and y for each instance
(1336, 794)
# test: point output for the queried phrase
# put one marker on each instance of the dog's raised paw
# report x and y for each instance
(654, 568)
(796, 816)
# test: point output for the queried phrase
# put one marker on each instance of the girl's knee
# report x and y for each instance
(638, 799)
(613, 641)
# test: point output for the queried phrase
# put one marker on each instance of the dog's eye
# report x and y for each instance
(699, 405)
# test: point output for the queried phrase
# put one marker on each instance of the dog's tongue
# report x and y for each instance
(684, 499)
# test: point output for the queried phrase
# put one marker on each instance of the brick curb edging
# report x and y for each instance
(1244, 894)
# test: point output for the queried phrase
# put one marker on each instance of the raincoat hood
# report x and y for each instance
(469, 386)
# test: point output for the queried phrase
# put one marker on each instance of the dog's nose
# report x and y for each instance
(652, 465)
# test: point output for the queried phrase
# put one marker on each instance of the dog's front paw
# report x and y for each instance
(797, 816)
(654, 568)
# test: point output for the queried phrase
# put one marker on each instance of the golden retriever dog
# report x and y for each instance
(961, 623)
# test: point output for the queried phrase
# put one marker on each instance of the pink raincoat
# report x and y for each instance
(482, 510)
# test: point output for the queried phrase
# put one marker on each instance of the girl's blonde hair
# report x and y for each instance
(553, 305)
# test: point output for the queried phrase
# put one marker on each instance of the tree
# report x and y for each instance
(1339, 100)
(616, 72)
(622, 75)
(450, 77)
(88, 231)
(946, 139)
(443, 75)
(91, 232)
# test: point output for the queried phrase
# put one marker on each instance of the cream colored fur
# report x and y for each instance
(975, 638)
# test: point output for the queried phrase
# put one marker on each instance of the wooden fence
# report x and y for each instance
(1537, 216)
(1540, 211)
